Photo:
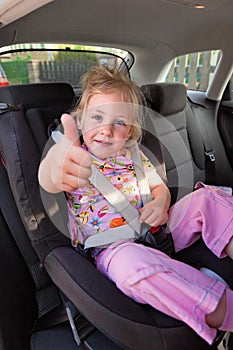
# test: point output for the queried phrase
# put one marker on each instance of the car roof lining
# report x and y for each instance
(153, 41)
(146, 33)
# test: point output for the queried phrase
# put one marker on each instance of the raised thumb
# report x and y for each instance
(70, 128)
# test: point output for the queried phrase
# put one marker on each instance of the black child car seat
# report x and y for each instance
(24, 123)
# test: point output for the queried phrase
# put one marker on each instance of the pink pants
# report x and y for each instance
(151, 277)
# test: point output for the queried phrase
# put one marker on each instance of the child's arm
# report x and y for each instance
(155, 212)
(66, 166)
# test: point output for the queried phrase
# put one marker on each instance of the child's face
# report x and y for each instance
(106, 124)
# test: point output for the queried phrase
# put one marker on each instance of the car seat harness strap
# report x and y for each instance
(158, 238)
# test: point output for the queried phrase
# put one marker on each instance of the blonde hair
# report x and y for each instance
(101, 79)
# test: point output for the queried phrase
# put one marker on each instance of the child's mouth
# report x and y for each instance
(103, 143)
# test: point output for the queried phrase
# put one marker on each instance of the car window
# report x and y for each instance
(3, 78)
(40, 63)
(194, 70)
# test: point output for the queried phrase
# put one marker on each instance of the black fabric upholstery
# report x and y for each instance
(40, 119)
(18, 309)
(226, 129)
(166, 98)
(38, 95)
(22, 137)
(178, 132)
(134, 326)
(17, 141)
(23, 134)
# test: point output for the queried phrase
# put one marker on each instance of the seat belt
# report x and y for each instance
(133, 229)
(156, 237)
(115, 197)
(208, 147)
(144, 188)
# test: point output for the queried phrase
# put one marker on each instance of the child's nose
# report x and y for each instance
(107, 129)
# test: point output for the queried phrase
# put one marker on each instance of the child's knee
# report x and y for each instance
(125, 262)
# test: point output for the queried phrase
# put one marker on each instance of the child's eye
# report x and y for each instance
(97, 117)
(120, 123)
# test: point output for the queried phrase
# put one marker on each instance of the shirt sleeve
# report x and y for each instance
(152, 176)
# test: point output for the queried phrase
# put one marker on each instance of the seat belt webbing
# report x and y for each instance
(118, 201)
(115, 198)
(140, 175)
(110, 236)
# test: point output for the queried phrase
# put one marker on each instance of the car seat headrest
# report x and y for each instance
(38, 95)
(165, 98)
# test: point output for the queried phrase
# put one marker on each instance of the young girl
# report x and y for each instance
(109, 120)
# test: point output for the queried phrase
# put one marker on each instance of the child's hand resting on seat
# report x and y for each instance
(155, 212)
(67, 166)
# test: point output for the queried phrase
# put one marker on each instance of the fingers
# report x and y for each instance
(74, 168)
(68, 174)
(81, 169)
(79, 156)
(153, 216)
(70, 183)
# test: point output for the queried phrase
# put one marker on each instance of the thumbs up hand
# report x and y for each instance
(66, 166)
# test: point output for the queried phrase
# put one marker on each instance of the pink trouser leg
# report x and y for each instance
(151, 277)
(207, 213)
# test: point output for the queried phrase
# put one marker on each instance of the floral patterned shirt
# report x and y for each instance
(89, 211)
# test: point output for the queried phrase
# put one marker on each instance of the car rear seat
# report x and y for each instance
(177, 130)
(24, 132)
(176, 126)
(184, 149)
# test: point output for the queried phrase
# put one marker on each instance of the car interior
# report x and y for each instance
(51, 296)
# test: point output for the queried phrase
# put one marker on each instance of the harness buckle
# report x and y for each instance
(211, 155)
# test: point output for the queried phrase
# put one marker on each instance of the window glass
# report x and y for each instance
(39, 63)
(194, 70)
